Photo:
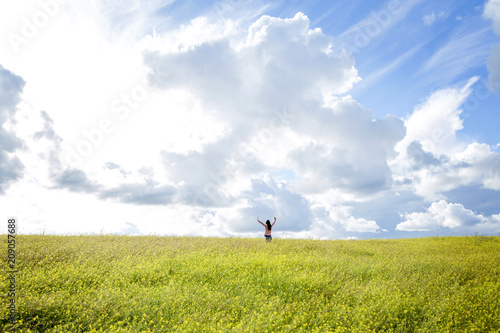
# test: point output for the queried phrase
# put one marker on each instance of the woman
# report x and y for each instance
(268, 227)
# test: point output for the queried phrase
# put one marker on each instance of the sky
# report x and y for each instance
(344, 119)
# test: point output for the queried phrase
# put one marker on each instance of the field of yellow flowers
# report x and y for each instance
(192, 284)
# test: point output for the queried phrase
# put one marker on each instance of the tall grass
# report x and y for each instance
(183, 284)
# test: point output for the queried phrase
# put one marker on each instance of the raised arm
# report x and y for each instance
(260, 222)
(273, 222)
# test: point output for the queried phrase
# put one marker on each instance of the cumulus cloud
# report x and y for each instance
(115, 183)
(11, 170)
(435, 122)
(47, 131)
(432, 176)
(11, 167)
(75, 180)
(338, 153)
(446, 215)
(334, 215)
(435, 164)
(480, 165)
(45, 144)
(272, 51)
(432, 160)
(276, 64)
(268, 198)
(342, 215)
(280, 64)
(10, 93)
(275, 88)
(120, 185)
(419, 157)
(52, 149)
(492, 11)
(246, 122)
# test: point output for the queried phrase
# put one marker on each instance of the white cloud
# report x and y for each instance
(280, 64)
(481, 165)
(343, 216)
(249, 99)
(333, 217)
(435, 122)
(272, 50)
(492, 11)
(189, 36)
(338, 157)
(234, 121)
(11, 167)
(429, 19)
(431, 176)
(432, 160)
(268, 198)
(448, 216)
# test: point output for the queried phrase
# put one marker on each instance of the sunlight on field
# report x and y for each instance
(182, 284)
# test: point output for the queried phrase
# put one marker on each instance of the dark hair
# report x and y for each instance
(269, 226)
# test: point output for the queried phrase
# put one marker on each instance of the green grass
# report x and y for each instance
(184, 284)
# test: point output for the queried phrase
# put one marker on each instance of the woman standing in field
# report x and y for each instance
(268, 227)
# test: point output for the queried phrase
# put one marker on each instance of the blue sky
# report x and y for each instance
(345, 119)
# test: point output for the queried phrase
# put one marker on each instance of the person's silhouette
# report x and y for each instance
(268, 227)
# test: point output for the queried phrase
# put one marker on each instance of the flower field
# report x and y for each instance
(193, 284)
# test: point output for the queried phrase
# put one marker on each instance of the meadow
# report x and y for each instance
(192, 284)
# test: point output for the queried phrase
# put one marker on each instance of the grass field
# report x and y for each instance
(184, 284)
